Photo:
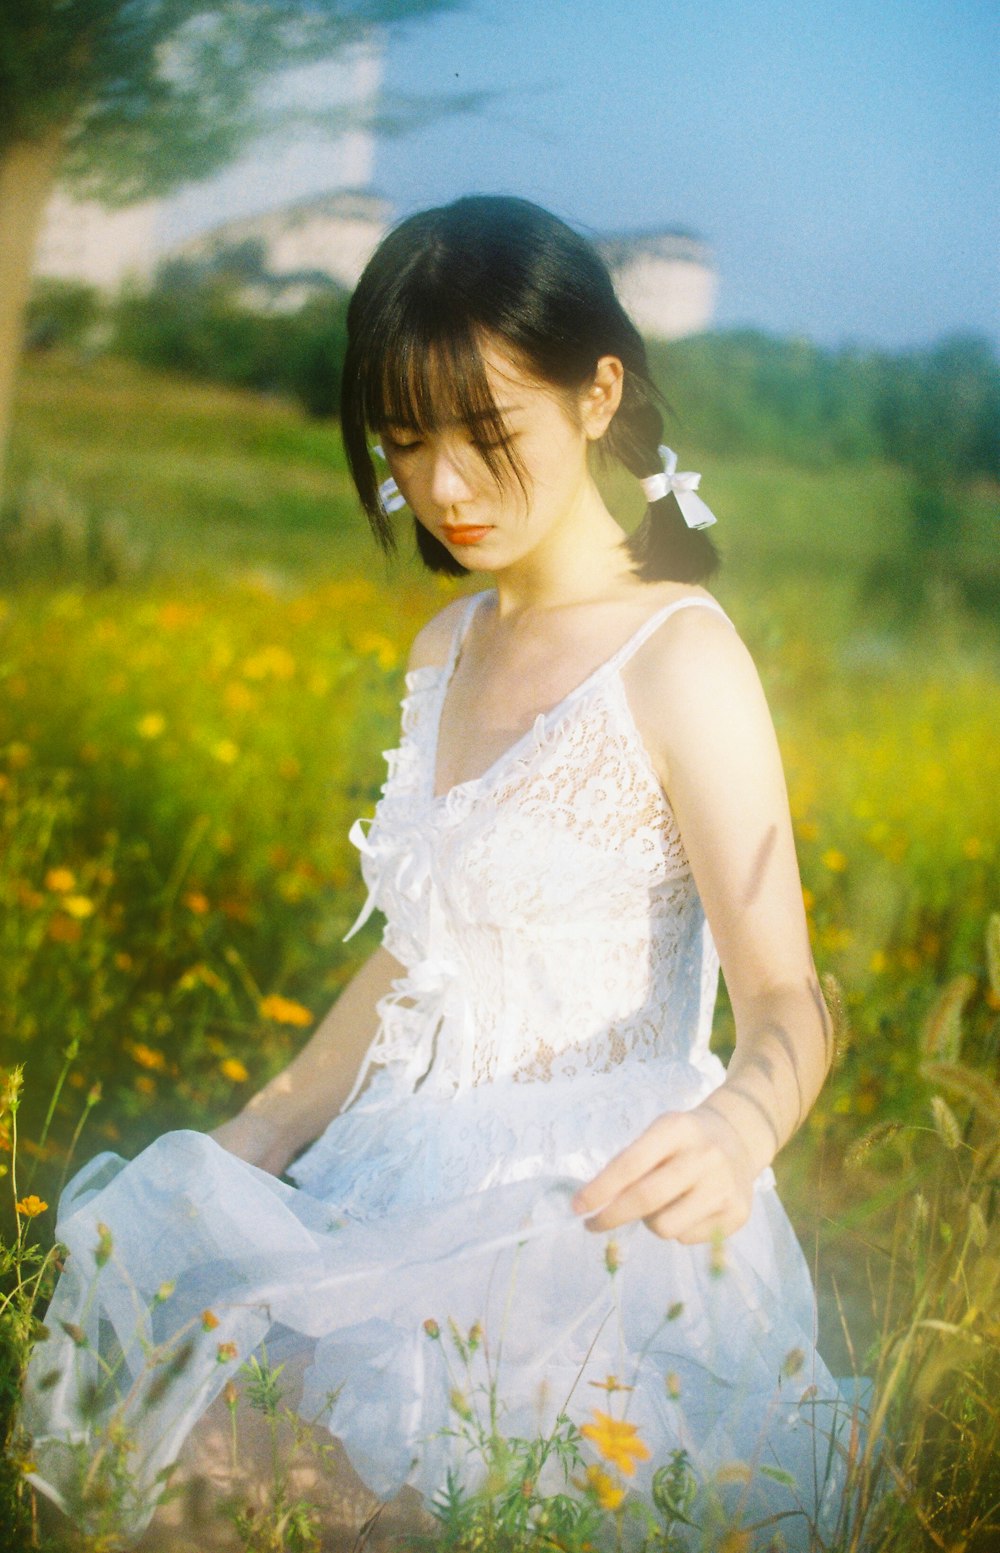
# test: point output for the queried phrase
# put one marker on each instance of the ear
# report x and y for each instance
(601, 399)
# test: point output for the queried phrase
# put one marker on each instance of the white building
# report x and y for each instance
(80, 240)
(666, 280)
(304, 247)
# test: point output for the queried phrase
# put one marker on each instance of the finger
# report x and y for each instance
(655, 1191)
(699, 1207)
(661, 1139)
(717, 1225)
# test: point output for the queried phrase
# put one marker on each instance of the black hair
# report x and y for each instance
(442, 284)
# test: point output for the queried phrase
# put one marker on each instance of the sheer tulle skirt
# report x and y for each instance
(428, 1259)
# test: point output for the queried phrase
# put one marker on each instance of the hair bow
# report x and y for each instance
(389, 493)
(684, 485)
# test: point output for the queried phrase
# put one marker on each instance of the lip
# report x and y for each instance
(466, 533)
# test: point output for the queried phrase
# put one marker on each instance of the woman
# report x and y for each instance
(586, 813)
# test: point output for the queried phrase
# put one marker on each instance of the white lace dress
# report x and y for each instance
(558, 996)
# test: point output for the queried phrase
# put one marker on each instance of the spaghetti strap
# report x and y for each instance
(654, 622)
(459, 634)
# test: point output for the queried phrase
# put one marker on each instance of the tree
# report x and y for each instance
(126, 99)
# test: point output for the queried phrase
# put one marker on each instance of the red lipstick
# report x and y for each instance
(465, 534)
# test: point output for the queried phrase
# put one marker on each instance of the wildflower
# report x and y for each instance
(30, 1207)
(431, 1328)
(123, 961)
(196, 902)
(235, 1070)
(793, 1362)
(612, 1259)
(284, 1011)
(226, 1352)
(226, 752)
(460, 1403)
(63, 929)
(102, 1251)
(610, 1383)
(808, 898)
(147, 1056)
(972, 848)
(59, 880)
(145, 1085)
(164, 1292)
(878, 962)
(617, 1441)
(151, 725)
(834, 860)
(209, 1321)
(673, 1384)
(78, 905)
(475, 1336)
(606, 1491)
(230, 1394)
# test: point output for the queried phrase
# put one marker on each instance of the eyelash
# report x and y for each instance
(408, 447)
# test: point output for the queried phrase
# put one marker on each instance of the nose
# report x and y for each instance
(448, 482)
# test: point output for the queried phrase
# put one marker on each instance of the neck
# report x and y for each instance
(577, 560)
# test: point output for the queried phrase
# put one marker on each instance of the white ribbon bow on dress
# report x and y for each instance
(684, 485)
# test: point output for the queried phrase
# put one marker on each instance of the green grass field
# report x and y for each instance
(183, 749)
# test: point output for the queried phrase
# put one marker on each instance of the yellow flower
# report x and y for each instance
(972, 847)
(226, 751)
(151, 725)
(808, 898)
(606, 1491)
(617, 1441)
(78, 905)
(878, 962)
(284, 1011)
(59, 880)
(233, 1068)
(834, 860)
(30, 1207)
(610, 1383)
(195, 901)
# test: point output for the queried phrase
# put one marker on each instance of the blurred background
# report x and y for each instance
(201, 651)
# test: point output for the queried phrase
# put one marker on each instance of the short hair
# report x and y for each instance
(498, 269)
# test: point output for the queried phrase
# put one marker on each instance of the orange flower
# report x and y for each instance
(209, 1320)
(59, 880)
(195, 901)
(226, 1351)
(617, 1441)
(30, 1207)
(284, 1011)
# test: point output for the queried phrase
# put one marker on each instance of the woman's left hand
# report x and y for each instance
(687, 1177)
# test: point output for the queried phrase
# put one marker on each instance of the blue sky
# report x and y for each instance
(841, 159)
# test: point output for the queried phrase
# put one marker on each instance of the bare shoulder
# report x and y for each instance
(432, 642)
(695, 670)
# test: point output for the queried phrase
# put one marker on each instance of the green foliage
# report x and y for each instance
(150, 95)
(195, 324)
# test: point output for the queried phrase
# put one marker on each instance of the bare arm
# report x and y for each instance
(294, 1107)
(700, 704)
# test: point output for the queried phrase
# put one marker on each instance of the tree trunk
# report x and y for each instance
(27, 174)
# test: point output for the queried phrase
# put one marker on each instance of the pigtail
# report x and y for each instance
(663, 546)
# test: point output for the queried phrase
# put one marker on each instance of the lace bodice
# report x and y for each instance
(545, 912)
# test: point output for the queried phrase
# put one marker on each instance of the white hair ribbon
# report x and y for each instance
(684, 485)
(389, 493)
